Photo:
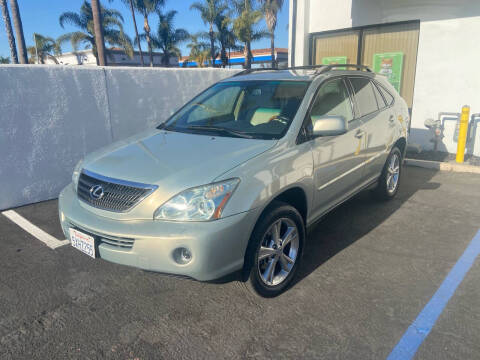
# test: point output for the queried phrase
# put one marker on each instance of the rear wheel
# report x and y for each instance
(389, 180)
(275, 250)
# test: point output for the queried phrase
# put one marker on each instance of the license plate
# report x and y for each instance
(83, 242)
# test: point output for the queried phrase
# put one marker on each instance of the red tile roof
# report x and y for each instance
(255, 52)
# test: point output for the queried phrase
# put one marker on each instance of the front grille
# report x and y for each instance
(121, 242)
(117, 195)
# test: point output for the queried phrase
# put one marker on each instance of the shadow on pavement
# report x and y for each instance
(352, 220)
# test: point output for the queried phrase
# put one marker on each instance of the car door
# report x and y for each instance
(337, 159)
(377, 121)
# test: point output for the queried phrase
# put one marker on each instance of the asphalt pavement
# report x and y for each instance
(368, 271)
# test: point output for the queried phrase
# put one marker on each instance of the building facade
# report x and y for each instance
(115, 57)
(427, 49)
(236, 59)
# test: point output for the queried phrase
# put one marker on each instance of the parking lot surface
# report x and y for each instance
(369, 269)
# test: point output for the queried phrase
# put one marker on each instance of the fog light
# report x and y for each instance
(182, 255)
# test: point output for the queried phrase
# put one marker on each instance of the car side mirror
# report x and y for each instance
(329, 125)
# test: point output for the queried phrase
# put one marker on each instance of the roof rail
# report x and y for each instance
(326, 68)
(321, 68)
(305, 67)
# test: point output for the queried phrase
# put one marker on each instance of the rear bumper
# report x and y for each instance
(217, 247)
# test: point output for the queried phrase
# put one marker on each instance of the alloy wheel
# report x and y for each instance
(393, 173)
(278, 251)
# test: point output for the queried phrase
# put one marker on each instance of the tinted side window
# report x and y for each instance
(364, 95)
(378, 96)
(332, 99)
(388, 97)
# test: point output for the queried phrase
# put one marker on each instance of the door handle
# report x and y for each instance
(359, 134)
(391, 119)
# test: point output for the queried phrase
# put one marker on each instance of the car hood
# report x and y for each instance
(162, 157)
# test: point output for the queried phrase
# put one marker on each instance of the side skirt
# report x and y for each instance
(371, 184)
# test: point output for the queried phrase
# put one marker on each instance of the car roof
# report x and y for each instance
(295, 74)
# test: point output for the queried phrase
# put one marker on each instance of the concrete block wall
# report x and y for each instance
(52, 116)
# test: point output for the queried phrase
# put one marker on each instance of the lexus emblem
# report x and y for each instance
(96, 192)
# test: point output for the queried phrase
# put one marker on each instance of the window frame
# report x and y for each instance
(355, 99)
(382, 98)
(308, 84)
(380, 87)
(302, 135)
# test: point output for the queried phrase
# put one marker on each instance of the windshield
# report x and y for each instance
(250, 109)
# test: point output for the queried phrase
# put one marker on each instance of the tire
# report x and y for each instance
(389, 180)
(269, 269)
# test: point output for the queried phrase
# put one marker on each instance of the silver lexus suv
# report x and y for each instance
(231, 180)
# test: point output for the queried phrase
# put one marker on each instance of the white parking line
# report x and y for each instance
(41, 235)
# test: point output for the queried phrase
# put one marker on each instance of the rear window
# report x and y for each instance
(364, 95)
(378, 96)
(388, 97)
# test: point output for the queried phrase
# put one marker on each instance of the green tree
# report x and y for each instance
(199, 51)
(130, 4)
(210, 11)
(226, 37)
(4, 60)
(146, 8)
(46, 48)
(112, 22)
(270, 10)
(167, 37)
(246, 28)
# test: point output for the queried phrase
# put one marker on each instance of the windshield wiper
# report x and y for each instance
(221, 130)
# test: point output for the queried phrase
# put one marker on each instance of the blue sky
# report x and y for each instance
(42, 17)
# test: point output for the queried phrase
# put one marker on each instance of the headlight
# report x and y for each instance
(201, 203)
(76, 174)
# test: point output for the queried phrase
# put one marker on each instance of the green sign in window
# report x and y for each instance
(332, 60)
(391, 65)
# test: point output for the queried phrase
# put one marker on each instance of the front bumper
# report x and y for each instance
(217, 247)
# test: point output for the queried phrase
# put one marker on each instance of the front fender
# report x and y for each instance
(266, 176)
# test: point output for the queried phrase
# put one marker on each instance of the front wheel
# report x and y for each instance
(275, 249)
(389, 180)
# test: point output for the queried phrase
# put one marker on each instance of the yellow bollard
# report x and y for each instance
(462, 133)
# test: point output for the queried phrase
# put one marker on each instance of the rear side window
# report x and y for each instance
(378, 96)
(364, 95)
(388, 97)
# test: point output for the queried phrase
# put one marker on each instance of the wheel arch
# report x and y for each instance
(401, 143)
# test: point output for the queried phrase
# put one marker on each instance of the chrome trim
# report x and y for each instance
(352, 169)
(118, 181)
(107, 179)
(119, 242)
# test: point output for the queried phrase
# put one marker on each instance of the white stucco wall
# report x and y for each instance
(446, 76)
(51, 116)
(114, 58)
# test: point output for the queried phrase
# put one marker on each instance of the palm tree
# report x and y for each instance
(210, 10)
(246, 29)
(167, 37)
(198, 49)
(270, 10)
(147, 7)
(225, 37)
(112, 22)
(8, 29)
(132, 10)
(4, 60)
(45, 48)
(98, 31)
(17, 22)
